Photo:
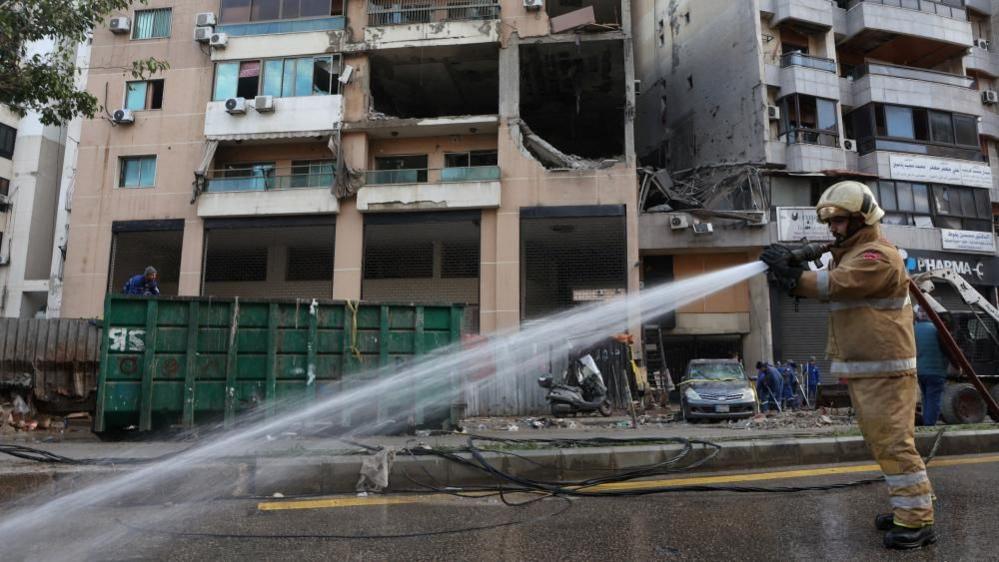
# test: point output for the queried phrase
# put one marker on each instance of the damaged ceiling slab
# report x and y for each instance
(436, 81)
(572, 95)
(606, 13)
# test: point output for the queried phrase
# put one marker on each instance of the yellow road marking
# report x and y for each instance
(691, 481)
(335, 502)
(756, 477)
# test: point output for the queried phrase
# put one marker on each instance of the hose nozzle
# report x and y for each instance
(808, 252)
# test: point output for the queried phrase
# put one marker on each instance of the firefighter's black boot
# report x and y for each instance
(904, 538)
(884, 521)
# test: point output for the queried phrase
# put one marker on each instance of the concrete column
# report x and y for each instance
(509, 79)
(191, 258)
(507, 268)
(348, 252)
(758, 344)
(487, 271)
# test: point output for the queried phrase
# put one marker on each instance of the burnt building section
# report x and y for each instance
(573, 100)
(424, 258)
(136, 245)
(273, 257)
(571, 256)
(431, 82)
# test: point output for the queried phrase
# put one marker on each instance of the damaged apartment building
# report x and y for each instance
(748, 110)
(471, 151)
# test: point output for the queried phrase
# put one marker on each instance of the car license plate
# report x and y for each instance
(721, 408)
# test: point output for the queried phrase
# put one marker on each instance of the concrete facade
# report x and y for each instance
(724, 68)
(375, 124)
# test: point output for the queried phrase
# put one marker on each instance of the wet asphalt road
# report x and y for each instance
(827, 525)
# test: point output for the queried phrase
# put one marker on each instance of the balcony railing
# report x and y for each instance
(432, 175)
(817, 137)
(800, 59)
(869, 144)
(911, 73)
(947, 8)
(331, 23)
(404, 12)
(266, 182)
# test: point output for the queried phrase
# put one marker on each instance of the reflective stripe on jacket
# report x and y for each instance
(870, 318)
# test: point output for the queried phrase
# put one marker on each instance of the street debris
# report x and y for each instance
(797, 419)
(375, 470)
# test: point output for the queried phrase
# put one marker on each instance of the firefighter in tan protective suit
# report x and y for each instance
(871, 344)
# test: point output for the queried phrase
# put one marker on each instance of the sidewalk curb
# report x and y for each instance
(290, 476)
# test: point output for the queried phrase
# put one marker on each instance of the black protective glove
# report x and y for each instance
(776, 255)
(784, 268)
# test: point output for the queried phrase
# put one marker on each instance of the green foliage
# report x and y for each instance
(45, 82)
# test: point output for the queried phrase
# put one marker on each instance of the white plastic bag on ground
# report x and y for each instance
(375, 471)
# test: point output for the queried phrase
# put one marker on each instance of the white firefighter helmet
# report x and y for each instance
(846, 198)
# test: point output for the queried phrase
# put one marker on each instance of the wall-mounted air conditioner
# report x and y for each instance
(123, 117)
(850, 145)
(235, 106)
(219, 40)
(204, 19)
(263, 104)
(679, 222)
(532, 5)
(120, 25)
(982, 44)
(773, 112)
(203, 34)
(990, 97)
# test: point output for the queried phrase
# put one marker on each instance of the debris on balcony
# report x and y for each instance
(553, 158)
(730, 191)
(573, 20)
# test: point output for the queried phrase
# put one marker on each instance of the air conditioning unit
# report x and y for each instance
(850, 144)
(532, 5)
(773, 112)
(204, 19)
(679, 222)
(203, 34)
(990, 97)
(120, 25)
(982, 44)
(219, 40)
(123, 116)
(263, 104)
(235, 106)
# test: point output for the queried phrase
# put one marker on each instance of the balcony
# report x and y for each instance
(814, 15)
(982, 61)
(322, 24)
(803, 74)
(917, 87)
(421, 22)
(253, 192)
(883, 28)
(471, 187)
(989, 125)
(813, 150)
(295, 117)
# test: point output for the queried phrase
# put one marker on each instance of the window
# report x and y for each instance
(304, 76)
(137, 171)
(899, 122)
(312, 173)
(937, 133)
(151, 24)
(7, 137)
(905, 203)
(963, 208)
(941, 127)
(473, 158)
(809, 120)
(147, 94)
(4, 186)
(252, 176)
(401, 169)
(966, 130)
(242, 11)
(236, 264)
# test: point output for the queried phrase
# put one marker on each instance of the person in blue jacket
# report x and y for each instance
(769, 386)
(144, 284)
(812, 371)
(931, 367)
(790, 385)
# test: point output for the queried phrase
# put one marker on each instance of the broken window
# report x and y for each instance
(145, 94)
(468, 159)
(241, 11)
(136, 245)
(568, 259)
(573, 98)
(436, 81)
(605, 12)
(269, 257)
(291, 77)
(422, 258)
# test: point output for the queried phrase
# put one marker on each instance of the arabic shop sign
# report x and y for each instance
(797, 223)
(967, 240)
(938, 170)
(977, 270)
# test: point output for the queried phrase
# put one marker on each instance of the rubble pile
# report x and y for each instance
(18, 415)
(797, 419)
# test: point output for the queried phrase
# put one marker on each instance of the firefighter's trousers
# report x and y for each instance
(886, 412)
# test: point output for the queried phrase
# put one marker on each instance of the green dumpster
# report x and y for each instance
(182, 361)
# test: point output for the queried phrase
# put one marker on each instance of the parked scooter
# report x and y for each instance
(582, 390)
